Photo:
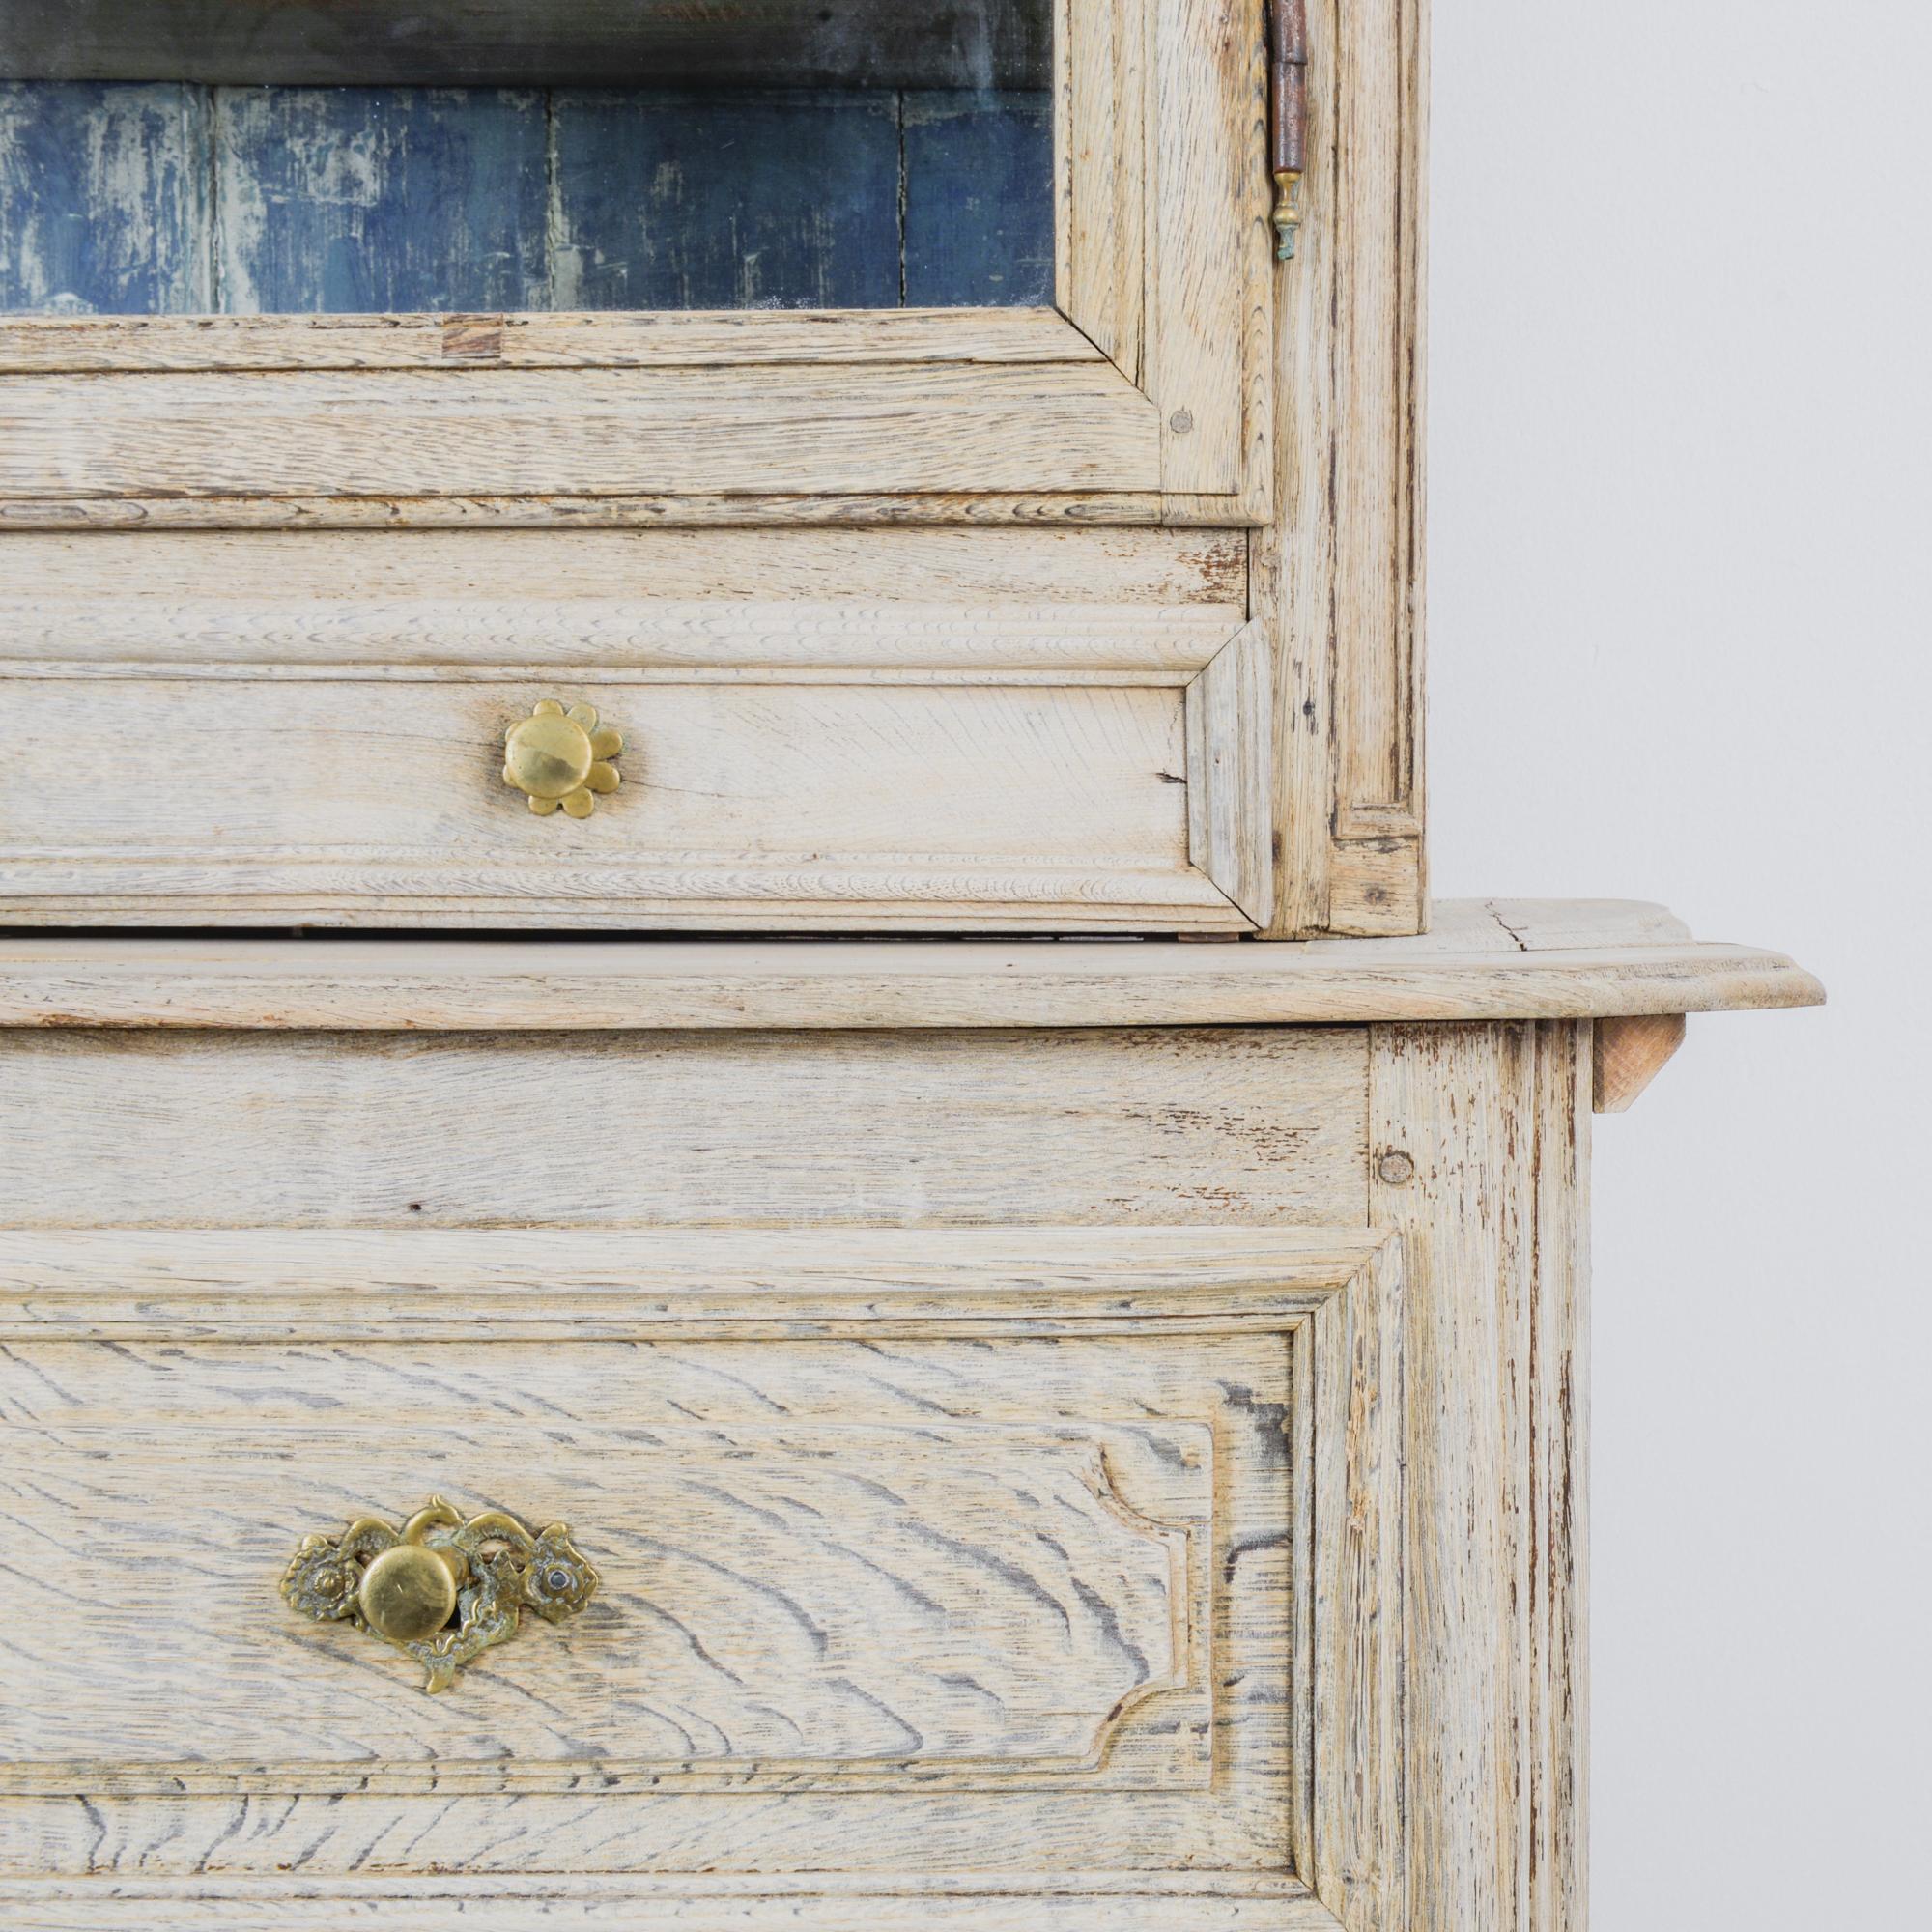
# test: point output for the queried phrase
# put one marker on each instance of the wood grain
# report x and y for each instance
(1628, 1052)
(668, 338)
(1576, 959)
(1202, 183)
(1354, 1618)
(1378, 514)
(998, 509)
(804, 741)
(1340, 579)
(1120, 1398)
(1101, 138)
(507, 1903)
(460, 430)
(1027, 566)
(1040, 604)
(1160, 238)
(1481, 1155)
(784, 1605)
(1231, 773)
(961, 1129)
(119, 1284)
(342, 796)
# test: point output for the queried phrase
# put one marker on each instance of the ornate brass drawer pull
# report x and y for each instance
(561, 757)
(441, 1589)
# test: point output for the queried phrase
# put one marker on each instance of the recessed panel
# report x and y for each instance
(1026, 1589)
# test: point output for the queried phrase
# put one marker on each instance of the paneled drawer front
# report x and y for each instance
(985, 1443)
(924, 730)
(908, 1604)
(1046, 1553)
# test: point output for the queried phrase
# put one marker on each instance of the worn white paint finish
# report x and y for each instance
(382, 801)
(1160, 135)
(1485, 959)
(654, 338)
(463, 431)
(1208, 248)
(203, 584)
(1154, 398)
(1416, 1748)
(620, 1905)
(822, 729)
(1231, 773)
(562, 1284)
(1100, 159)
(1339, 577)
(1145, 1469)
(810, 1129)
(902, 1604)
(1481, 1151)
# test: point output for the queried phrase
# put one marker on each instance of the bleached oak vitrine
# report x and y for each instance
(974, 616)
(518, 1414)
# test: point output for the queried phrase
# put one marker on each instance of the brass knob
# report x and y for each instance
(406, 1594)
(440, 1588)
(559, 755)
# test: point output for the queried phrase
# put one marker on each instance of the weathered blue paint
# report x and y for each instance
(727, 200)
(366, 199)
(979, 200)
(129, 198)
(101, 198)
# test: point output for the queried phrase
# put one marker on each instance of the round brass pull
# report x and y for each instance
(440, 1588)
(559, 755)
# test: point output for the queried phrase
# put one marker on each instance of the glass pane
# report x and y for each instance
(251, 156)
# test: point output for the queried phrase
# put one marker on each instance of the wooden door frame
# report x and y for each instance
(1142, 398)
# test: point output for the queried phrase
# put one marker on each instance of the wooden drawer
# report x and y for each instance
(912, 1536)
(912, 1552)
(947, 1560)
(938, 729)
(1064, 1478)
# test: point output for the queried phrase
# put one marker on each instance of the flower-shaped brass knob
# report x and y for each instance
(559, 756)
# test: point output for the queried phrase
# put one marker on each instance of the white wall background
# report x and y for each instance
(1680, 625)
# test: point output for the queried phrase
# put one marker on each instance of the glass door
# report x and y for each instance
(249, 158)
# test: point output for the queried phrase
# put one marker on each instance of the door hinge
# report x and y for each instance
(1287, 116)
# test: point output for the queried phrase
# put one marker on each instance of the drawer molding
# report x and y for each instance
(1171, 1340)
(1111, 772)
(623, 1902)
(882, 731)
(640, 1284)
(1061, 1724)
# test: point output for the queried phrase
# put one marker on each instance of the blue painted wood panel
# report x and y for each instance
(359, 199)
(727, 200)
(979, 200)
(101, 198)
(129, 198)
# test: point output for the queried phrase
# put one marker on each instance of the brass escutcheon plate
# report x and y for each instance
(441, 1589)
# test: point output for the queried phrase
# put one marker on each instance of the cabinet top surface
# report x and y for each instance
(1487, 959)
